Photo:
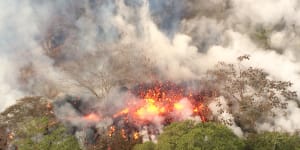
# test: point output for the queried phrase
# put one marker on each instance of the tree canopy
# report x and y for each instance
(190, 135)
(273, 141)
(41, 134)
(250, 93)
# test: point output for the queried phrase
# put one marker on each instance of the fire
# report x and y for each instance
(150, 106)
(163, 101)
(123, 112)
(111, 131)
(123, 134)
(178, 106)
(149, 109)
(11, 136)
(92, 117)
(136, 135)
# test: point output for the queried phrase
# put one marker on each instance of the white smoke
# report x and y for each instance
(225, 116)
(111, 36)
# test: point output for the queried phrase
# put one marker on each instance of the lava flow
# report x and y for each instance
(151, 106)
(163, 103)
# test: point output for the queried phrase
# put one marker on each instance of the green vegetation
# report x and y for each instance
(43, 133)
(261, 37)
(115, 142)
(190, 135)
(249, 94)
(39, 134)
(145, 146)
(273, 141)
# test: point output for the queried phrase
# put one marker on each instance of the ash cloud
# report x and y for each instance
(46, 46)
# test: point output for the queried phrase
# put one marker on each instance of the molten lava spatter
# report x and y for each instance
(151, 106)
(161, 103)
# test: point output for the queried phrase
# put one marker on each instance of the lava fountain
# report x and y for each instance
(152, 106)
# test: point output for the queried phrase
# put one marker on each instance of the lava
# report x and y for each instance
(149, 110)
(162, 101)
(136, 135)
(111, 131)
(149, 107)
(92, 117)
(178, 106)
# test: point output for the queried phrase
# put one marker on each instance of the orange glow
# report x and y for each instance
(123, 134)
(195, 110)
(178, 106)
(160, 102)
(148, 110)
(162, 110)
(111, 131)
(11, 136)
(92, 117)
(136, 135)
(150, 100)
(123, 112)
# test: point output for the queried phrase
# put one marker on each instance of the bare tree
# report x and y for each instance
(97, 73)
(97, 82)
(251, 95)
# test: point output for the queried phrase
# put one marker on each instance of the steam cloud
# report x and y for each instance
(178, 40)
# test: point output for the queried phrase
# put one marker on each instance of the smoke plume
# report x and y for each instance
(94, 47)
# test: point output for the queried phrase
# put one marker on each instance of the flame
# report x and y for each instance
(111, 131)
(11, 135)
(149, 109)
(123, 134)
(160, 102)
(178, 106)
(92, 117)
(136, 135)
(123, 112)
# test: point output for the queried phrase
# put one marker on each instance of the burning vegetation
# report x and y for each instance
(157, 105)
(147, 109)
(138, 69)
(142, 113)
(163, 102)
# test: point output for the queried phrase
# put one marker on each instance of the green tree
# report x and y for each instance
(145, 146)
(39, 134)
(262, 37)
(273, 141)
(118, 140)
(251, 95)
(190, 135)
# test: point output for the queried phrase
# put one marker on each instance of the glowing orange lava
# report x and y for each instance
(92, 117)
(136, 135)
(178, 106)
(150, 106)
(159, 102)
(111, 131)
